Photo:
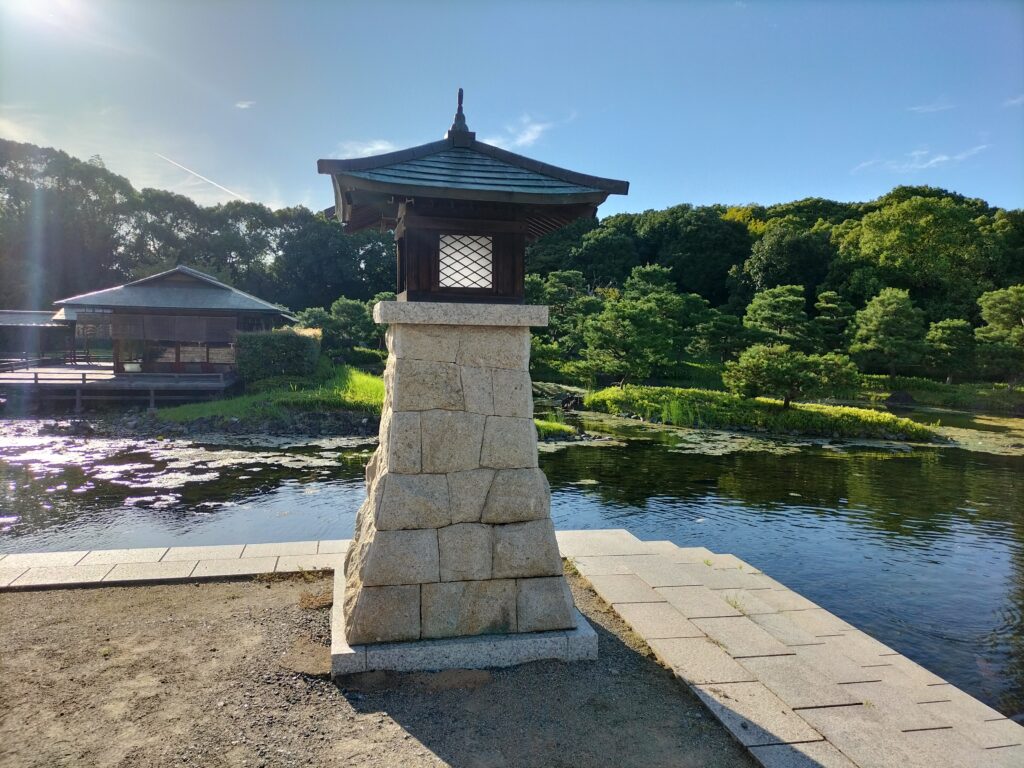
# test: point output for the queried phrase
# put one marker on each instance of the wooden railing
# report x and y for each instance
(71, 377)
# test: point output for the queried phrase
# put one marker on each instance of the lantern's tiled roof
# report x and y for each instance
(180, 288)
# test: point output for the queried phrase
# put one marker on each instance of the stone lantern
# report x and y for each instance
(454, 561)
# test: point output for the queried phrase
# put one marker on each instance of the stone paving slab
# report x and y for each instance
(656, 621)
(740, 637)
(659, 572)
(293, 563)
(899, 710)
(812, 754)
(835, 665)
(333, 546)
(142, 571)
(726, 561)
(779, 626)
(217, 552)
(617, 541)
(819, 622)
(948, 747)
(954, 706)
(690, 555)
(625, 588)
(913, 670)
(280, 548)
(61, 574)
(797, 683)
(862, 735)
(605, 565)
(697, 602)
(7, 575)
(142, 555)
(43, 559)
(862, 648)
(250, 566)
(747, 602)
(787, 600)
(755, 715)
(698, 661)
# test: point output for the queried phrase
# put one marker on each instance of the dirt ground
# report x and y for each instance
(236, 674)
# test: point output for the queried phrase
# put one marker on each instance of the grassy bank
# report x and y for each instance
(331, 390)
(971, 396)
(720, 410)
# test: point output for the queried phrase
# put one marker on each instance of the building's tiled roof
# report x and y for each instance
(181, 288)
(24, 318)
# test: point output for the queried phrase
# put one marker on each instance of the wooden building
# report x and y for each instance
(178, 321)
(462, 211)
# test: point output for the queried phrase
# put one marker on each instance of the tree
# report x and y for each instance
(950, 347)
(832, 319)
(889, 332)
(685, 312)
(778, 316)
(721, 335)
(1001, 339)
(788, 254)
(628, 339)
(605, 256)
(355, 325)
(780, 371)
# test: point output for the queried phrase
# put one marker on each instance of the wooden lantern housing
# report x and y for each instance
(462, 212)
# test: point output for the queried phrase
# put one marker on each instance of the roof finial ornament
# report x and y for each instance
(459, 123)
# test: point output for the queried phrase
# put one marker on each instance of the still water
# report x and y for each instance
(922, 547)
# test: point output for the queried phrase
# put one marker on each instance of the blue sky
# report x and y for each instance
(699, 102)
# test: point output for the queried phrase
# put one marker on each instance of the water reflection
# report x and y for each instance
(922, 548)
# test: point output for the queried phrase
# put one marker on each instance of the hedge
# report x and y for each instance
(282, 352)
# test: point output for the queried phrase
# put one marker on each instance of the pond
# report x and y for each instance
(922, 547)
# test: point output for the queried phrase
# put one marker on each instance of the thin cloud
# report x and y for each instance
(524, 133)
(920, 160)
(21, 130)
(936, 106)
(1016, 101)
(203, 178)
(244, 104)
(365, 148)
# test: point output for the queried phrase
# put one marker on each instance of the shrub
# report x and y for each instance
(282, 352)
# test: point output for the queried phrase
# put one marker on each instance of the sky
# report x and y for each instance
(732, 102)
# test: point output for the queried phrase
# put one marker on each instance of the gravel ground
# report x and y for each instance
(236, 674)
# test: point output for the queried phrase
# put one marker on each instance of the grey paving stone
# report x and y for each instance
(7, 575)
(819, 622)
(667, 548)
(914, 688)
(333, 546)
(779, 626)
(61, 574)
(467, 652)
(965, 715)
(281, 548)
(862, 648)
(616, 541)
(219, 552)
(698, 661)
(798, 683)
(602, 566)
(625, 588)
(143, 555)
(174, 569)
(948, 748)
(913, 670)
(1005, 757)
(739, 636)
(43, 559)
(899, 710)
(727, 561)
(755, 715)
(712, 578)
(814, 754)
(960, 707)
(656, 620)
(697, 602)
(250, 566)
(691, 555)
(787, 600)
(293, 563)
(658, 571)
(862, 735)
(834, 664)
(747, 601)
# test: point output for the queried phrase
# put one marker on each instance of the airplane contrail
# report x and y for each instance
(200, 176)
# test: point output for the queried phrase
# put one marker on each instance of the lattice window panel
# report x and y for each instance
(466, 262)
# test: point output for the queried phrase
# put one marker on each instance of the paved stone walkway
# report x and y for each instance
(795, 684)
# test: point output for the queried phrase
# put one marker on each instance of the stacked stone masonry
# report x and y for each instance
(455, 537)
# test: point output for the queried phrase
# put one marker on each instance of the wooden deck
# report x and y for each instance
(79, 383)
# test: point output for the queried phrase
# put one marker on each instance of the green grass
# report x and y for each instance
(331, 389)
(546, 429)
(335, 389)
(720, 410)
(982, 396)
